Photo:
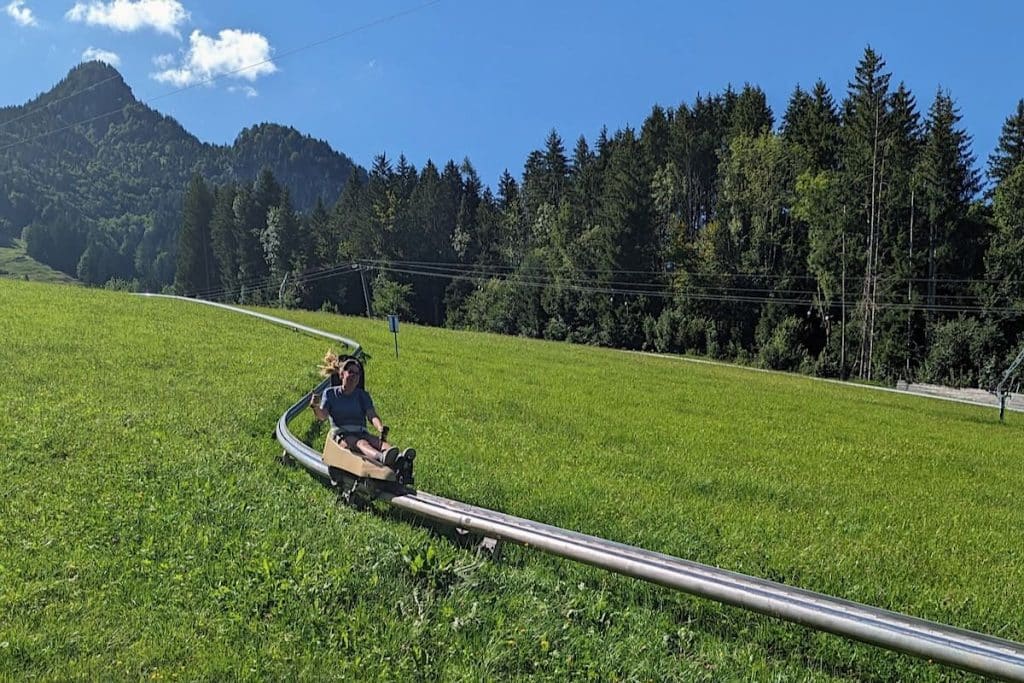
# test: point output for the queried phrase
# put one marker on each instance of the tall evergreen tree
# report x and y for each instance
(655, 138)
(898, 349)
(811, 125)
(626, 213)
(1010, 150)
(949, 182)
(196, 265)
(1003, 289)
(466, 240)
(513, 238)
(866, 131)
(280, 238)
(224, 236)
(750, 114)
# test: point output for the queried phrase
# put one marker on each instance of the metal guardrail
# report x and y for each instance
(955, 647)
(354, 345)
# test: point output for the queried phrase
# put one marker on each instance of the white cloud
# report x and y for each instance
(227, 55)
(163, 61)
(163, 16)
(21, 14)
(107, 56)
(248, 90)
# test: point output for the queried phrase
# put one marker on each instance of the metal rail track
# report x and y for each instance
(960, 648)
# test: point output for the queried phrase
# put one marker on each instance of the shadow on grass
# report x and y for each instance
(779, 642)
(461, 538)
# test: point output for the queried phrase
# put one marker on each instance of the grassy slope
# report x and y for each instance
(15, 263)
(148, 531)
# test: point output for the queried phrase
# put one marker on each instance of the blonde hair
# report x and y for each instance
(331, 365)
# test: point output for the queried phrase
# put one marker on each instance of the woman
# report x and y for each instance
(349, 406)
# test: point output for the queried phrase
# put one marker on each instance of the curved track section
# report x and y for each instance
(956, 647)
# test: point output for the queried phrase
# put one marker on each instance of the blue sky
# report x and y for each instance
(488, 80)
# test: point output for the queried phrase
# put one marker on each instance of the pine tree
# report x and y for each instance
(948, 182)
(750, 114)
(379, 237)
(512, 236)
(811, 125)
(899, 347)
(280, 238)
(465, 239)
(655, 138)
(545, 176)
(251, 209)
(1003, 291)
(627, 215)
(224, 237)
(1010, 150)
(196, 269)
(866, 131)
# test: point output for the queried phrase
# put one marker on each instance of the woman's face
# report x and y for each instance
(350, 377)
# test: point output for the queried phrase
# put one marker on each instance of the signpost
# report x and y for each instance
(393, 328)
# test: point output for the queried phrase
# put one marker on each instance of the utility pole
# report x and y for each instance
(842, 351)
(280, 291)
(910, 292)
(366, 295)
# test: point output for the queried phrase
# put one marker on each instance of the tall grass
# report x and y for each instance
(148, 530)
(16, 263)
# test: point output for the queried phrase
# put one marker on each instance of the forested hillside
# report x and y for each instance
(98, 194)
(853, 235)
(848, 238)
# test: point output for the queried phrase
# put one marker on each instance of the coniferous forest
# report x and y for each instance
(854, 236)
(93, 179)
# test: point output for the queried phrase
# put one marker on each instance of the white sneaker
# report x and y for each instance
(389, 456)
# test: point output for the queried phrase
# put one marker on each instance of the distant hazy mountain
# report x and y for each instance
(74, 175)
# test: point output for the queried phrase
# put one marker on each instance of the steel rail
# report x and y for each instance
(960, 648)
(263, 316)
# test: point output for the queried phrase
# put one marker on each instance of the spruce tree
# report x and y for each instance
(224, 236)
(948, 182)
(627, 215)
(1010, 150)
(654, 138)
(1003, 290)
(280, 238)
(750, 114)
(899, 347)
(811, 126)
(866, 132)
(196, 269)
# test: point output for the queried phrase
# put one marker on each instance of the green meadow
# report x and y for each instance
(148, 531)
(16, 263)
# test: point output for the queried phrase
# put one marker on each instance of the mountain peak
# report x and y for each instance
(94, 71)
(99, 77)
(90, 89)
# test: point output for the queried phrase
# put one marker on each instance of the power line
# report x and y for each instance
(806, 303)
(264, 285)
(700, 274)
(212, 79)
(545, 276)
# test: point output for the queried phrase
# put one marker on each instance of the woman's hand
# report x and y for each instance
(314, 401)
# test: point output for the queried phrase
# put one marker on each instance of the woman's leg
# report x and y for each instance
(376, 442)
(371, 446)
(361, 444)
